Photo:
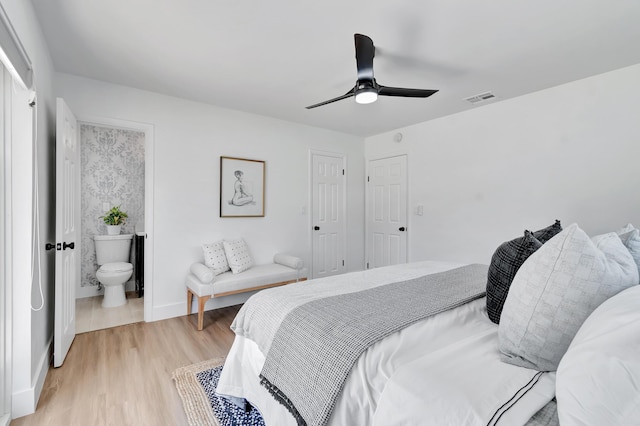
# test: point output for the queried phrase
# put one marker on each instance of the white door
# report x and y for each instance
(328, 215)
(67, 230)
(387, 212)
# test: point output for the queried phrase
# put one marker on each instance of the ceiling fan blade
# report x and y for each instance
(366, 87)
(406, 93)
(365, 51)
(349, 94)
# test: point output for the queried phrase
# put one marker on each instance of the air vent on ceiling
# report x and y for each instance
(480, 98)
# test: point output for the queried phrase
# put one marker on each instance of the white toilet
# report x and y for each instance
(112, 255)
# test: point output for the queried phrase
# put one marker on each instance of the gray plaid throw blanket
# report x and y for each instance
(318, 342)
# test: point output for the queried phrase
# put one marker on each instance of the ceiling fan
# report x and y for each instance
(367, 89)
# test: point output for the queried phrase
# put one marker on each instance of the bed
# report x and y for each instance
(449, 367)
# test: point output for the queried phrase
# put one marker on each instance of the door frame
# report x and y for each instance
(148, 130)
(343, 156)
(366, 203)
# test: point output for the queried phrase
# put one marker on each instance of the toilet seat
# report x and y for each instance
(116, 267)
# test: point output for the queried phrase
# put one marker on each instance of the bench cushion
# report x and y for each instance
(256, 276)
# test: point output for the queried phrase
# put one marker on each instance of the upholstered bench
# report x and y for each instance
(202, 283)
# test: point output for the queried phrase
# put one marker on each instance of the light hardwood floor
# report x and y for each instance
(122, 375)
(91, 316)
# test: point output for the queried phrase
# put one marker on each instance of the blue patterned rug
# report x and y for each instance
(228, 413)
(196, 386)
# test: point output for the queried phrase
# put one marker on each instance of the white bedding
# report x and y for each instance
(394, 380)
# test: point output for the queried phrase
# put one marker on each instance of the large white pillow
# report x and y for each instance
(555, 290)
(630, 237)
(598, 379)
(238, 255)
(215, 257)
(628, 227)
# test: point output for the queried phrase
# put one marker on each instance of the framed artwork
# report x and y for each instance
(241, 187)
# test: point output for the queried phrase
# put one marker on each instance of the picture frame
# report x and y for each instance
(241, 187)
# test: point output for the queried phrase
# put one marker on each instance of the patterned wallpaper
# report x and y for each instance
(112, 172)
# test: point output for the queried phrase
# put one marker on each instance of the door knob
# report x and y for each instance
(71, 245)
(401, 229)
(316, 228)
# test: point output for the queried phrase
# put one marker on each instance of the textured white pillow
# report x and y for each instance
(555, 290)
(238, 255)
(215, 257)
(597, 379)
(631, 240)
(628, 227)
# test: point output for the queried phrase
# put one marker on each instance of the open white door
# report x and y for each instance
(67, 230)
(387, 212)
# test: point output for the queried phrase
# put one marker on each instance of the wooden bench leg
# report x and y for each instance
(189, 301)
(201, 302)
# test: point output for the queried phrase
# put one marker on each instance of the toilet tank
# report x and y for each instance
(112, 248)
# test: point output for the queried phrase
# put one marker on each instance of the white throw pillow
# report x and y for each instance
(238, 255)
(597, 379)
(628, 227)
(555, 290)
(631, 240)
(215, 257)
(288, 260)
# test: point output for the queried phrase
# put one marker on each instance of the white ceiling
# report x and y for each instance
(275, 57)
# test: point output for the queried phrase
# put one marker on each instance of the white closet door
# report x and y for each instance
(328, 215)
(387, 212)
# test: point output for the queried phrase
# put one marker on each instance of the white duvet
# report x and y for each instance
(443, 370)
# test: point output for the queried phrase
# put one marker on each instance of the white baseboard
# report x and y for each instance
(4, 420)
(25, 402)
(92, 290)
(180, 309)
(88, 291)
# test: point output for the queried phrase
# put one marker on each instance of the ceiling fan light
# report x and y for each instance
(366, 96)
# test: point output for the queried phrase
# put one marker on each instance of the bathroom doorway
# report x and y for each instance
(115, 160)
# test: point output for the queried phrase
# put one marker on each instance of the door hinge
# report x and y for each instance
(343, 262)
(367, 178)
(367, 265)
(342, 172)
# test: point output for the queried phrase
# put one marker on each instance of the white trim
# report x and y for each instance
(149, 168)
(343, 157)
(13, 54)
(91, 291)
(5, 272)
(178, 309)
(25, 401)
(19, 226)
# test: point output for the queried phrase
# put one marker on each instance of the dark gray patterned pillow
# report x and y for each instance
(505, 262)
(545, 234)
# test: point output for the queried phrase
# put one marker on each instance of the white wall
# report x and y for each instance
(570, 152)
(189, 138)
(32, 331)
